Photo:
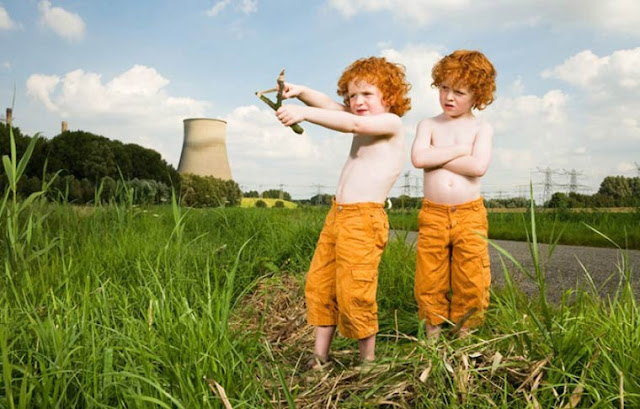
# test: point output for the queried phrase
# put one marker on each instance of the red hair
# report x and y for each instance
(469, 69)
(388, 77)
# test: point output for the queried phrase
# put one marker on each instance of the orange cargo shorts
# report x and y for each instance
(452, 267)
(342, 281)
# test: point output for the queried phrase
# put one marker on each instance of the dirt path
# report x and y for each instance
(563, 270)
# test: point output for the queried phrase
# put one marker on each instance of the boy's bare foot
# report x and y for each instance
(464, 332)
(433, 332)
(317, 363)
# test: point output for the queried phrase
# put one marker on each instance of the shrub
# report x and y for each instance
(260, 203)
(208, 191)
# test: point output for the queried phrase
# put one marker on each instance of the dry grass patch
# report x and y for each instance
(409, 372)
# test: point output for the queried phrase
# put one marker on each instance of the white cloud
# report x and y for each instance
(64, 23)
(419, 11)
(244, 6)
(41, 86)
(598, 75)
(614, 15)
(264, 153)
(610, 85)
(627, 167)
(7, 65)
(133, 107)
(6, 23)
(580, 69)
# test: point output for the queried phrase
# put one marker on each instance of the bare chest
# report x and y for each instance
(445, 135)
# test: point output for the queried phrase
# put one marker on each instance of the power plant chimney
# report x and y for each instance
(64, 126)
(204, 150)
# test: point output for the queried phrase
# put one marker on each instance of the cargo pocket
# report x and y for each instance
(363, 293)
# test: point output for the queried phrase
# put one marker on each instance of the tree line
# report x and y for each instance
(88, 168)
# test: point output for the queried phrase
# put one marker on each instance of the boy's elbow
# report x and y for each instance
(416, 162)
(480, 171)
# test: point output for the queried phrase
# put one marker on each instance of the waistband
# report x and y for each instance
(354, 206)
(474, 204)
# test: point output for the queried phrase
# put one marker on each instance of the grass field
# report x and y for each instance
(166, 307)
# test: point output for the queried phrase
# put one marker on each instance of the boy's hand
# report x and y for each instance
(291, 90)
(290, 114)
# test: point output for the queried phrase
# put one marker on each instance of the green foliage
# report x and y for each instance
(406, 202)
(616, 187)
(251, 193)
(279, 204)
(321, 199)
(208, 191)
(614, 191)
(110, 320)
(509, 203)
(261, 204)
(276, 194)
(84, 155)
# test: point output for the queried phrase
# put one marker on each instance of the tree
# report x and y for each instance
(251, 193)
(208, 191)
(275, 194)
(616, 187)
(558, 200)
(261, 203)
(279, 204)
(321, 199)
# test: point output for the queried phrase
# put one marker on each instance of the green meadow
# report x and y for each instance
(564, 226)
(169, 307)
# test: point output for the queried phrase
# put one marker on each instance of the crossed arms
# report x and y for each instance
(466, 160)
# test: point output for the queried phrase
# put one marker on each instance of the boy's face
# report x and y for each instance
(456, 100)
(365, 98)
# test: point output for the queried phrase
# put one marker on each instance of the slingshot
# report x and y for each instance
(275, 105)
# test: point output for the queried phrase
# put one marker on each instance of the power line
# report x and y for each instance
(573, 184)
(548, 183)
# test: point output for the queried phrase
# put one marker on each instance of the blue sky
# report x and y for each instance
(567, 99)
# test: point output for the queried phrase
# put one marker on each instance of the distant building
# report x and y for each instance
(204, 150)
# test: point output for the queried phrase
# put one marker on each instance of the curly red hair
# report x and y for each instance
(469, 69)
(388, 77)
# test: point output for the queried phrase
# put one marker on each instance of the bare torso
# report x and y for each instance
(373, 165)
(442, 185)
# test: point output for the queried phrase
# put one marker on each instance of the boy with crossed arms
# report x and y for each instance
(454, 149)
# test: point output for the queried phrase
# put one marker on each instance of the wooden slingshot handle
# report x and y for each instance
(275, 105)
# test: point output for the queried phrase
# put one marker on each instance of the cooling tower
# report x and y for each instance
(204, 150)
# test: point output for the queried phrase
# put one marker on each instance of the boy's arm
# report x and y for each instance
(311, 97)
(374, 125)
(476, 164)
(426, 156)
